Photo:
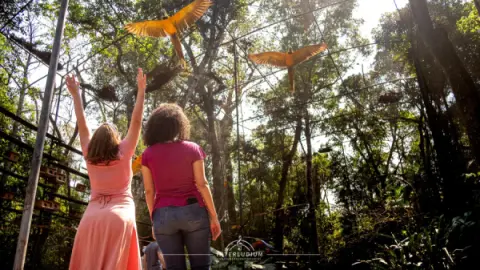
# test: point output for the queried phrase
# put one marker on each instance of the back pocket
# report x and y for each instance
(160, 219)
(196, 215)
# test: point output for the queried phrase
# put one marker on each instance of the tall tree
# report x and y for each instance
(286, 164)
(310, 186)
(462, 84)
(477, 5)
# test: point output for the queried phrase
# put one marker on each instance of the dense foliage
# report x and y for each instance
(369, 167)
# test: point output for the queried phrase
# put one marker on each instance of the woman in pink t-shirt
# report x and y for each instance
(177, 193)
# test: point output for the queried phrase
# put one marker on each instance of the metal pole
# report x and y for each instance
(39, 144)
(238, 131)
(58, 107)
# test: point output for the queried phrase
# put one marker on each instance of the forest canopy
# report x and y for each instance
(371, 163)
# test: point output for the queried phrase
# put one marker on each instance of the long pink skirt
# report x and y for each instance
(106, 238)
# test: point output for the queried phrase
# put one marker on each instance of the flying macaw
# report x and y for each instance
(288, 59)
(137, 165)
(172, 26)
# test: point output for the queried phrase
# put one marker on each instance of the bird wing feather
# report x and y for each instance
(148, 28)
(277, 59)
(307, 52)
(137, 165)
(190, 14)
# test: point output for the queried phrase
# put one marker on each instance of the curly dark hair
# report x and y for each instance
(166, 123)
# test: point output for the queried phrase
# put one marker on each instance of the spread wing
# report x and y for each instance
(277, 59)
(190, 14)
(307, 52)
(148, 28)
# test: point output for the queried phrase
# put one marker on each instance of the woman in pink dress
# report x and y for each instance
(107, 236)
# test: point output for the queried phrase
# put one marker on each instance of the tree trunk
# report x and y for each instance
(216, 155)
(21, 98)
(460, 80)
(193, 82)
(449, 162)
(347, 182)
(23, 90)
(317, 182)
(312, 219)
(421, 145)
(232, 214)
(226, 127)
(477, 5)
(287, 162)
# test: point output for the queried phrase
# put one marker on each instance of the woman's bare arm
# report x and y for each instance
(133, 134)
(74, 89)
(149, 189)
(203, 187)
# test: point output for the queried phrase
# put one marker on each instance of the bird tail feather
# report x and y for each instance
(291, 79)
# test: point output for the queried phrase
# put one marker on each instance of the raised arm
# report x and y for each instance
(131, 140)
(74, 89)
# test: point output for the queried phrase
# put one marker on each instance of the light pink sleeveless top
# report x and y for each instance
(115, 178)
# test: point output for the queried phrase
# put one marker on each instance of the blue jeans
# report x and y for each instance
(187, 226)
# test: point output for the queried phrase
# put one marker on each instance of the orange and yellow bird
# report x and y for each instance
(288, 59)
(172, 26)
(137, 165)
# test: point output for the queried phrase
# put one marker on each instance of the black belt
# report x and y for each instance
(192, 200)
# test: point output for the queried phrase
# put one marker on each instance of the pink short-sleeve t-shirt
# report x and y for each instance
(171, 165)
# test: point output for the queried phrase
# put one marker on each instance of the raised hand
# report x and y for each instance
(141, 81)
(72, 85)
